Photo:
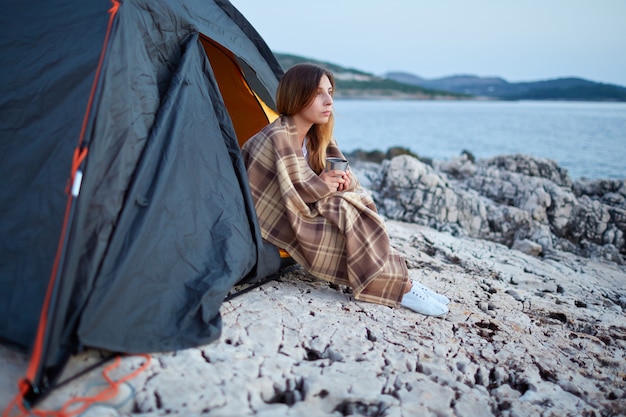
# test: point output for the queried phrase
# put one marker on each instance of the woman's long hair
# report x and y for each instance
(296, 91)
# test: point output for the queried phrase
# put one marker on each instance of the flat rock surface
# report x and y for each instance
(525, 336)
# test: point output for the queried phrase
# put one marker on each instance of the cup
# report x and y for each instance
(336, 163)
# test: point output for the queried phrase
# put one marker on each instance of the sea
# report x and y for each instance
(586, 138)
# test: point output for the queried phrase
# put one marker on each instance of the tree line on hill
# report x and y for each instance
(354, 83)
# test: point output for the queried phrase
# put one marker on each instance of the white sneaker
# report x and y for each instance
(421, 302)
(439, 297)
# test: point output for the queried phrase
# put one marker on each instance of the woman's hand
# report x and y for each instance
(338, 180)
(351, 182)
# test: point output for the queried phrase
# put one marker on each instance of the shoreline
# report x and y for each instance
(515, 200)
(424, 97)
(583, 137)
(532, 329)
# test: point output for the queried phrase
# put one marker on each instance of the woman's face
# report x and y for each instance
(319, 110)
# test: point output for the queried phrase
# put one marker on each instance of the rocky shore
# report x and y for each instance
(522, 202)
(533, 263)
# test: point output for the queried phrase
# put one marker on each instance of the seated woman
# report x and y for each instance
(325, 220)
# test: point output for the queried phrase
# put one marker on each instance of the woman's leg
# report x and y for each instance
(415, 296)
(390, 285)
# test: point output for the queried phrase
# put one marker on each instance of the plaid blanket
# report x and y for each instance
(337, 236)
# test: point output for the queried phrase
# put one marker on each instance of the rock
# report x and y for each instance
(530, 167)
(409, 190)
(505, 199)
(299, 346)
(535, 331)
(527, 246)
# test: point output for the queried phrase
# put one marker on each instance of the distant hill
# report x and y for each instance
(353, 83)
(495, 87)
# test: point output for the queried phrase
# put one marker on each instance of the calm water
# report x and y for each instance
(588, 139)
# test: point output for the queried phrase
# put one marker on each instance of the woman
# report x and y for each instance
(324, 219)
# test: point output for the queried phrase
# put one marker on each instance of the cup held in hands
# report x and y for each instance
(336, 163)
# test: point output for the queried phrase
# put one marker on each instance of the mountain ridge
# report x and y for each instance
(563, 88)
(356, 83)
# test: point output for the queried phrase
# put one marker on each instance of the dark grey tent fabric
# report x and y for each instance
(164, 224)
(45, 78)
(192, 234)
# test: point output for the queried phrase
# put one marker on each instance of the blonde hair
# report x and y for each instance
(296, 91)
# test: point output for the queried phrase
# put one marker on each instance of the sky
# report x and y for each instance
(518, 40)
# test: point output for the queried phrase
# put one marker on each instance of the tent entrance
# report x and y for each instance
(248, 112)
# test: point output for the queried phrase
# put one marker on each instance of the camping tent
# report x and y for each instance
(126, 213)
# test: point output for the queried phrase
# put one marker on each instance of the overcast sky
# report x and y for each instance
(519, 40)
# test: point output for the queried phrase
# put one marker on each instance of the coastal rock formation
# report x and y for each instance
(534, 331)
(525, 336)
(506, 199)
